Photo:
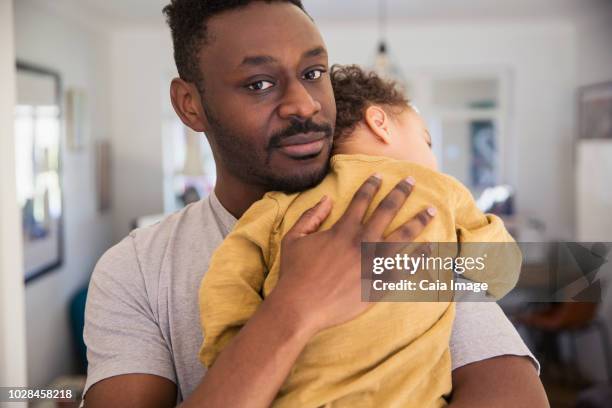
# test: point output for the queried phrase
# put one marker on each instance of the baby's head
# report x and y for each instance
(375, 118)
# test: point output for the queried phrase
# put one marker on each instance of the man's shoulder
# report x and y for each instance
(163, 231)
(145, 249)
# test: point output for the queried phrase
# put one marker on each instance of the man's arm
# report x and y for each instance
(132, 390)
(504, 381)
(129, 362)
(252, 368)
(491, 364)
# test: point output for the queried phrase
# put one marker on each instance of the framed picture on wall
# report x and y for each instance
(76, 119)
(595, 111)
(103, 177)
(483, 166)
(38, 117)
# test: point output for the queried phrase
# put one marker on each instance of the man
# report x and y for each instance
(253, 77)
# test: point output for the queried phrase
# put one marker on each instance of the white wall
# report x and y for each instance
(12, 341)
(80, 54)
(141, 60)
(594, 41)
(540, 59)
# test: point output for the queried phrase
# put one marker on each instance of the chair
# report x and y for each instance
(77, 323)
(573, 319)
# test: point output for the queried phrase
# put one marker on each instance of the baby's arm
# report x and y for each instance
(479, 234)
(230, 291)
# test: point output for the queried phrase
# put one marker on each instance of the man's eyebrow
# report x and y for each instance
(255, 60)
(315, 52)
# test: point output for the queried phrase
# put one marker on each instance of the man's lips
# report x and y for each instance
(302, 138)
(303, 144)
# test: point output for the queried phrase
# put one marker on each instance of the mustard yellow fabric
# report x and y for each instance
(396, 354)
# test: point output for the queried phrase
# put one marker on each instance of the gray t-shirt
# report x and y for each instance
(142, 311)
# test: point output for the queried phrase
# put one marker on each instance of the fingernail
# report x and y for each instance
(410, 180)
(377, 176)
(432, 211)
(323, 199)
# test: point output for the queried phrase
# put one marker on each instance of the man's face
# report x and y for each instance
(267, 96)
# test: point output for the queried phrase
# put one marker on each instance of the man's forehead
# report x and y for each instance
(263, 31)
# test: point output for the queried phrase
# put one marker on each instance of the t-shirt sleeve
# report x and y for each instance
(231, 290)
(482, 331)
(484, 236)
(121, 332)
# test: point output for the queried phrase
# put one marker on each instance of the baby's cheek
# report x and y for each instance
(433, 161)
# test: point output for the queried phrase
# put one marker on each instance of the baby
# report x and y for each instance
(396, 353)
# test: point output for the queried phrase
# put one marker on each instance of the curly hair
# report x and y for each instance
(188, 23)
(355, 90)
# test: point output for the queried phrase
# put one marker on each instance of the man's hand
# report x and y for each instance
(321, 271)
(319, 286)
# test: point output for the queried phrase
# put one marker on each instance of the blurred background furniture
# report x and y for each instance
(547, 325)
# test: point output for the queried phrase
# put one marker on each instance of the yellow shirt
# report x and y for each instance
(396, 354)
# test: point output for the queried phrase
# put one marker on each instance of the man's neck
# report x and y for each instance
(235, 196)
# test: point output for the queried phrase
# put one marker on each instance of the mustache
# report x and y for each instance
(298, 127)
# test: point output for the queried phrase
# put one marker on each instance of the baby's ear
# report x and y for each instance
(378, 121)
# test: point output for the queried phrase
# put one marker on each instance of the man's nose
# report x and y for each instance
(298, 103)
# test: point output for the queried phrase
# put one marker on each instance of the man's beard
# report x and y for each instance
(246, 162)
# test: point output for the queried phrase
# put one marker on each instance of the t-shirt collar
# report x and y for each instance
(226, 219)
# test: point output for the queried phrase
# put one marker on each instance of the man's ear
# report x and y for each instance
(186, 102)
(378, 121)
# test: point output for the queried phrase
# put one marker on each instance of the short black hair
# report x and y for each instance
(355, 90)
(188, 23)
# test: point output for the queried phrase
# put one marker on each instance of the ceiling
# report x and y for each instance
(129, 12)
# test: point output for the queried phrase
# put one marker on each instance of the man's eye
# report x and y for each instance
(314, 74)
(260, 85)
